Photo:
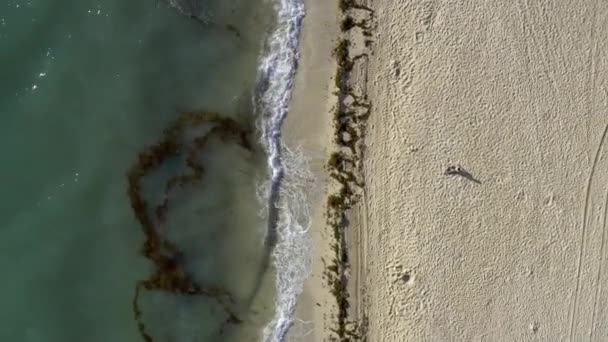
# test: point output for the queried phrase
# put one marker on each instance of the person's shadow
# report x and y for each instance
(459, 171)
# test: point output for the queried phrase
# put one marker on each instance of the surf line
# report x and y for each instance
(286, 237)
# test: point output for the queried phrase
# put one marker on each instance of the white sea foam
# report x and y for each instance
(291, 255)
(289, 172)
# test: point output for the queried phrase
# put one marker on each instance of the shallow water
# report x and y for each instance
(84, 87)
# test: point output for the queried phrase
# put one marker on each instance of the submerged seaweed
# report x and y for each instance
(170, 273)
(195, 11)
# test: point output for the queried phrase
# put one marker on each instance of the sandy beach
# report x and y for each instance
(482, 169)
(308, 127)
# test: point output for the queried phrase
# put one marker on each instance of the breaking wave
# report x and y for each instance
(284, 196)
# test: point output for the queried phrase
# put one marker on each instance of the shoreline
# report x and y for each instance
(308, 127)
(327, 118)
(286, 240)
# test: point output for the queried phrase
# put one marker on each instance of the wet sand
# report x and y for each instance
(308, 126)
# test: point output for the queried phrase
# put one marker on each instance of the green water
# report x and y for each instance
(84, 87)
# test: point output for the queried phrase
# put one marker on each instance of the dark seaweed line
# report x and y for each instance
(349, 121)
(192, 11)
(170, 273)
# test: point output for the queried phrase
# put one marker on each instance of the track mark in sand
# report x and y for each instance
(525, 31)
(426, 13)
(598, 287)
(592, 57)
(558, 37)
(543, 52)
(403, 73)
(583, 232)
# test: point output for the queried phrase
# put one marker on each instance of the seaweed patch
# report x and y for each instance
(345, 163)
(170, 273)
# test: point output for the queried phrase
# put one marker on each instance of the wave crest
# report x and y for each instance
(287, 205)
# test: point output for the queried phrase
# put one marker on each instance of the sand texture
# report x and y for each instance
(512, 245)
(308, 128)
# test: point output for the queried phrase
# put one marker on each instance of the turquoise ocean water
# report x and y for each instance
(86, 86)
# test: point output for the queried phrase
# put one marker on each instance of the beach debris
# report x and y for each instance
(350, 116)
(170, 273)
(346, 5)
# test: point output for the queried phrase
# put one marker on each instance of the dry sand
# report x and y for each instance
(515, 93)
(513, 247)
